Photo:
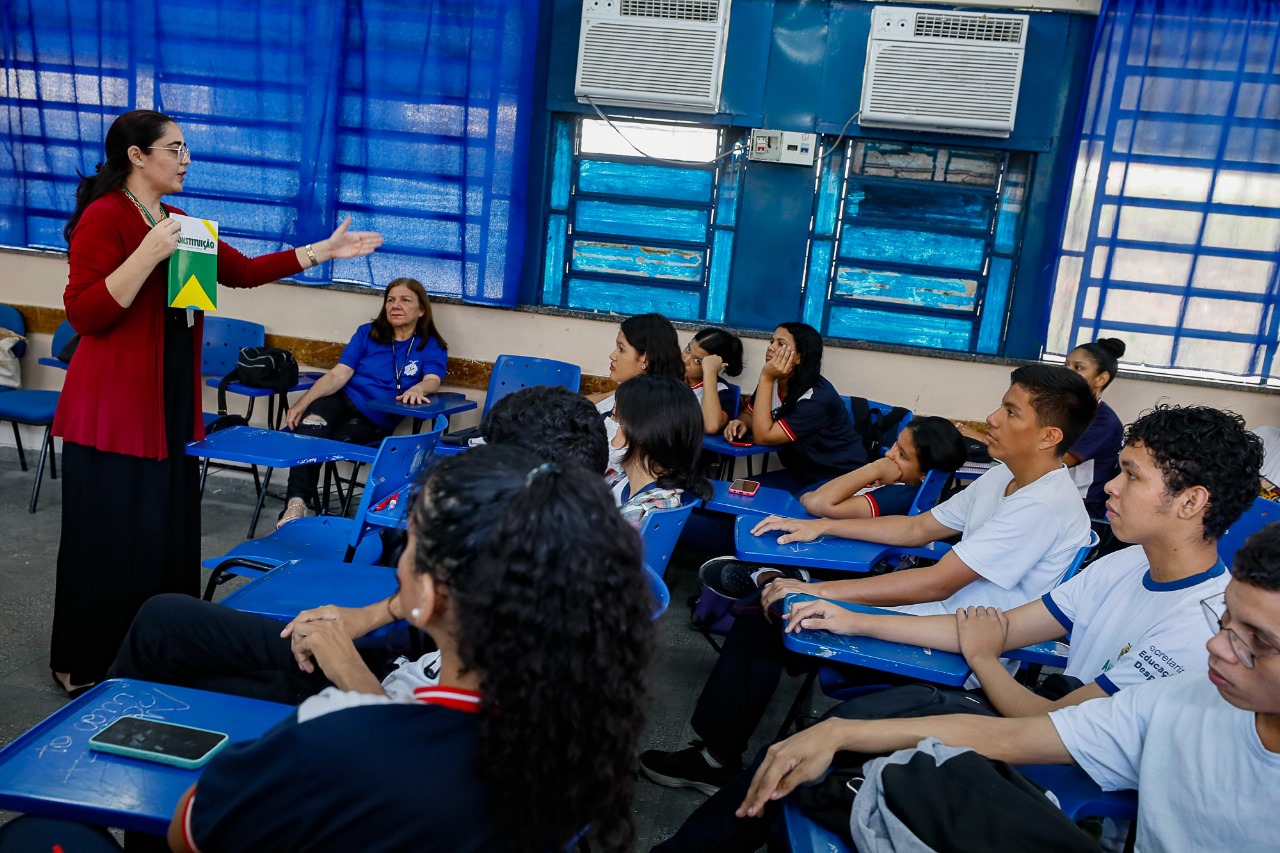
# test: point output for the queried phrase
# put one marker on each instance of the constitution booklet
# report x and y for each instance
(193, 268)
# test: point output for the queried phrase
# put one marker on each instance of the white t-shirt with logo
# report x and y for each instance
(1126, 628)
(1204, 779)
(1021, 545)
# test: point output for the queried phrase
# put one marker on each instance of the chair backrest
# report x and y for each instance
(399, 462)
(930, 490)
(1081, 556)
(10, 319)
(660, 531)
(731, 400)
(224, 337)
(661, 595)
(61, 335)
(513, 372)
(1261, 513)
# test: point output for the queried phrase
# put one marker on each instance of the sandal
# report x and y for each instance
(295, 509)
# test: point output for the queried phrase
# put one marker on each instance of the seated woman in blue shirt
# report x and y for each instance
(400, 354)
(797, 410)
(889, 485)
(530, 734)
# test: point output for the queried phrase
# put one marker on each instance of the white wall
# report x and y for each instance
(955, 389)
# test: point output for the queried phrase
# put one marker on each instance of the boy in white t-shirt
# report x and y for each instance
(1205, 761)
(1133, 616)
(1022, 524)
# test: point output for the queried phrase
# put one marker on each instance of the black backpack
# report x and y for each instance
(261, 367)
(877, 429)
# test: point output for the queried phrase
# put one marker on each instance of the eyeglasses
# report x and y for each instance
(181, 149)
(1215, 610)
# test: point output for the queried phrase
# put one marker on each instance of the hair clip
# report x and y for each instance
(544, 468)
(98, 168)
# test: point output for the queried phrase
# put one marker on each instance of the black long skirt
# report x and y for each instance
(130, 528)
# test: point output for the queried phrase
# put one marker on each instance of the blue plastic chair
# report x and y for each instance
(224, 337)
(661, 595)
(1078, 795)
(883, 409)
(30, 407)
(511, 373)
(63, 334)
(807, 835)
(930, 491)
(731, 400)
(1261, 513)
(400, 462)
(660, 531)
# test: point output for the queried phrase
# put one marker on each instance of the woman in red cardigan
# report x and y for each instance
(131, 511)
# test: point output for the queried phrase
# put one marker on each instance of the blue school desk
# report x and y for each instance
(825, 552)
(442, 403)
(51, 771)
(946, 668)
(719, 444)
(765, 501)
(287, 590)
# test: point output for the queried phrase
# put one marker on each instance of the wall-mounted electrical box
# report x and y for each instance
(783, 146)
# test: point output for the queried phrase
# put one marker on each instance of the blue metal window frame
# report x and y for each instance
(703, 299)
(916, 323)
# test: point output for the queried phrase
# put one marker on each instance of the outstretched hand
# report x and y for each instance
(800, 758)
(352, 244)
(793, 529)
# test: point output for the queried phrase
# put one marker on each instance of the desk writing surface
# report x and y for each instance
(275, 448)
(719, 444)
(766, 501)
(445, 403)
(51, 771)
(844, 555)
(298, 585)
(946, 668)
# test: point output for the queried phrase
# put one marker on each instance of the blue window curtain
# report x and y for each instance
(410, 117)
(1172, 233)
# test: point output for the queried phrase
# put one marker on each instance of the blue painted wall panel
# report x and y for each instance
(928, 206)
(815, 297)
(995, 304)
(718, 279)
(896, 328)
(906, 289)
(589, 295)
(553, 269)
(641, 261)
(645, 181)
(641, 221)
(899, 246)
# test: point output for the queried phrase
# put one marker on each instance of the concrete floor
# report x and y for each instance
(28, 550)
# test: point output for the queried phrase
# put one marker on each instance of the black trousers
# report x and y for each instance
(184, 641)
(714, 828)
(343, 422)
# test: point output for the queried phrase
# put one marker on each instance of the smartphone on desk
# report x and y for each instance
(154, 740)
(746, 488)
(738, 442)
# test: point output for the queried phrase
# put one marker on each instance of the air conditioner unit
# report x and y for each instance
(660, 54)
(955, 72)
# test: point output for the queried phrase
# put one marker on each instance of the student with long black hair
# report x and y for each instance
(797, 410)
(709, 353)
(660, 431)
(1094, 459)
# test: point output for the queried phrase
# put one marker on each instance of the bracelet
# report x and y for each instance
(311, 255)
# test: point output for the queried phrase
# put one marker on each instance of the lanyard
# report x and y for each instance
(145, 212)
(397, 364)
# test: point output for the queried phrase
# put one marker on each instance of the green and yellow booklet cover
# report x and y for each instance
(193, 268)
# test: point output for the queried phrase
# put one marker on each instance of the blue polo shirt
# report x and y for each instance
(824, 442)
(379, 368)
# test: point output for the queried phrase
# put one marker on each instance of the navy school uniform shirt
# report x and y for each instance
(824, 442)
(1099, 453)
(384, 777)
(376, 367)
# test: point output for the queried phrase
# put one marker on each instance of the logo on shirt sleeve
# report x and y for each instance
(1108, 666)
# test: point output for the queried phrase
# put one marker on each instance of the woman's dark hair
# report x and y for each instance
(1258, 562)
(553, 611)
(727, 345)
(653, 336)
(136, 127)
(426, 329)
(939, 445)
(809, 369)
(1061, 398)
(1203, 446)
(1106, 354)
(663, 424)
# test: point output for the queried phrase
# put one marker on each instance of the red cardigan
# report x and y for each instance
(113, 396)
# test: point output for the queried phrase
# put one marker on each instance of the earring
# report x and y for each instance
(415, 614)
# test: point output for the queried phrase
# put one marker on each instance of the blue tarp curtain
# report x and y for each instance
(411, 117)
(1173, 225)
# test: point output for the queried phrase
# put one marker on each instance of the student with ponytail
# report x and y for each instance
(709, 353)
(1095, 457)
(529, 736)
(131, 399)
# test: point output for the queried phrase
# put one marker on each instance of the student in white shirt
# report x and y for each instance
(1022, 524)
(1203, 754)
(1133, 616)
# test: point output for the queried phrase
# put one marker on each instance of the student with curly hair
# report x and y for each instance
(709, 353)
(528, 737)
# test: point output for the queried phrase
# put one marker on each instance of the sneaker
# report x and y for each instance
(731, 578)
(685, 768)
